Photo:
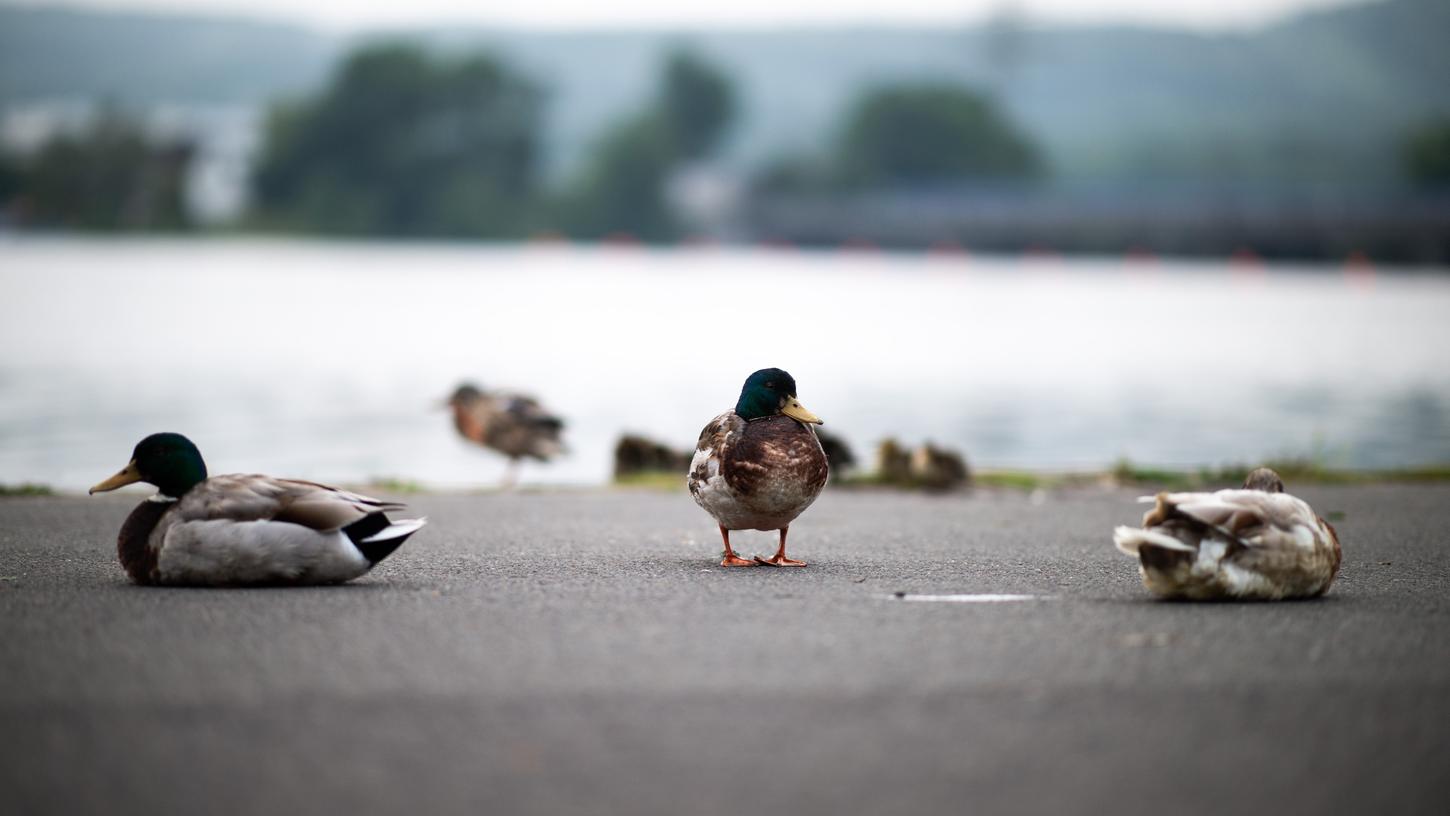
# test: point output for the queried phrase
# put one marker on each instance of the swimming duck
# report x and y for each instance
(512, 424)
(1256, 543)
(240, 530)
(759, 466)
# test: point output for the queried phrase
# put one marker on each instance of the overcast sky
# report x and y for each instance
(352, 14)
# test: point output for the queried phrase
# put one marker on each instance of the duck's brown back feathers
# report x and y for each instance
(1233, 544)
(512, 424)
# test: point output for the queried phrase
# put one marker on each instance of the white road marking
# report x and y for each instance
(990, 598)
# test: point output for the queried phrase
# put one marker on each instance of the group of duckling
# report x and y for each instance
(756, 467)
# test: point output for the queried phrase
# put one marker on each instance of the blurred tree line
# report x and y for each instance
(1426, 155)
(914, 136)
(622, 190)
(108, 175)
(403, 142)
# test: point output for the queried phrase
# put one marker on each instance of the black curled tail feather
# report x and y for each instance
(1163, 559)
(369, 535)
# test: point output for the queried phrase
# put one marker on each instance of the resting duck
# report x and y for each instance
(241, 530)
(512, 424)
(759, 466)
(1257, 543)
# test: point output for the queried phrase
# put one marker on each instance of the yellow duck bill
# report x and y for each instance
(795, 410)
(128, 475)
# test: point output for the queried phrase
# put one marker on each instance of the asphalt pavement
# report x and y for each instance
(581, 652)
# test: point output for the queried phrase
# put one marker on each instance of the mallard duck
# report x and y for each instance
(759, 466)
(1256, 543)
(512, 424)
(239, 530)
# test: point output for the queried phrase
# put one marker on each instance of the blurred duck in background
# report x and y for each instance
(934, 468)
(838, 453)
(636, 456)
(245, 530)
(515, 425)
(926, 467)
(1256, 543)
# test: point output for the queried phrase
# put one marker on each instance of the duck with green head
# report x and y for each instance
(240, 530)
(759, 466)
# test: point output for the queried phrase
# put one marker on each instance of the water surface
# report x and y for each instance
(327, 360)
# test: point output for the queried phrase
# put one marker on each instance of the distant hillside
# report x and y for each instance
(1319, 99)
(48, 53)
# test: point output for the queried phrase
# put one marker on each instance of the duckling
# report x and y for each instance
(241, 530)
(1256, 543)
(635, 454)
(936, 468)
(759, 466)
(512, 424)
(893, 462)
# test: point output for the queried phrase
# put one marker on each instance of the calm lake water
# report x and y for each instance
(327, 360)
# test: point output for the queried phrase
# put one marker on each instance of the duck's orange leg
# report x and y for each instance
(731, 559)
(779, 559)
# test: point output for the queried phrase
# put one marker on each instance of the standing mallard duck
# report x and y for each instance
(512, 424)
(241, 530)
(1257, 543)
(759, 466)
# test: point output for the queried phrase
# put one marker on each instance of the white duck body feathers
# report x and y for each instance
(1244, 544)
(253, 530)
(758, 474)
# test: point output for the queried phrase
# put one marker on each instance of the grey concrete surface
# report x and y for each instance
(581, 653)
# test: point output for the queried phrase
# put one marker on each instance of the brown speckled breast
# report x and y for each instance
(775, 454)
(132, 546)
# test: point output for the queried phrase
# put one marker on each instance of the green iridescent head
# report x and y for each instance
(168, 460)
(771, 391)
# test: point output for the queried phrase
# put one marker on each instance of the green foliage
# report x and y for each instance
(1294, 471)
(403, 144)
(394, 485)
(697, 103)
(26, 489)
(622, 188)
(652, 480)
(1014, 479)
(10, 177)
(1426, 154)
(108, 176)
(930, 134)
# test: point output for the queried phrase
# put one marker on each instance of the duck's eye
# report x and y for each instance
(770, 385)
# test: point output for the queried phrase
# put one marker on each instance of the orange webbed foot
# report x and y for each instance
(779, 561)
